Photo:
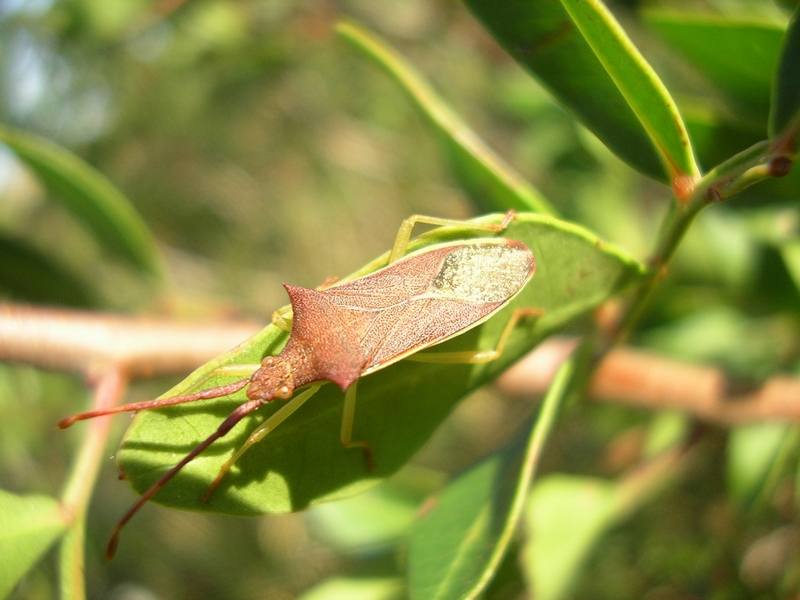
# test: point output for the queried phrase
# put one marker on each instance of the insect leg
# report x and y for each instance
(261, 431)
(346, 433)
(478, 356)
(282, 318)
(237, 415)
(329, 281)
(404, 233)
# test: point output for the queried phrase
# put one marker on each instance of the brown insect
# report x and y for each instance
(351, 329)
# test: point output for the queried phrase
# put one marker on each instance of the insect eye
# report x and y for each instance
(284, 392)
(267, 360)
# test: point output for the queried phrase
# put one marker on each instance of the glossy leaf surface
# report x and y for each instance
(786, 93)
(303, 463)
(579, 51)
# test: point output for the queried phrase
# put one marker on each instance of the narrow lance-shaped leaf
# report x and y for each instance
(28, 527)
(90, 197)
(456, 548)
(490, 181)
(580, 52)
(785, 114)
(302, 462)
(639, 84)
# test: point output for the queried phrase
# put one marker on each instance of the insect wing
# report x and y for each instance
(433, 295)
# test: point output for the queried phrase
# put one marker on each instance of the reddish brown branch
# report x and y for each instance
(69, 340)
(638, 378)
(81, 341)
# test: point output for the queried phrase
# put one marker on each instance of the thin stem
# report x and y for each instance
(674, 227)
(761, 161)
(109, 389)
(757, 163)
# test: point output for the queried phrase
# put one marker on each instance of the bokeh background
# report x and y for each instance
(262, 149)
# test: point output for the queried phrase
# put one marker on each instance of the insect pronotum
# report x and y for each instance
(351, 329)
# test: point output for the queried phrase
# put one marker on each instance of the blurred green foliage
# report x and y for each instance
(259, 148)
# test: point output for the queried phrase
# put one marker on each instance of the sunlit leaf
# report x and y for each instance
(455, 549)
(303, 463)
(638, 83)
(582, 54)
(790, 252)
(379, 517)
(565, 517)
(28, 527)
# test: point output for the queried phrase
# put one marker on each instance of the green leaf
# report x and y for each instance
(580, 52)
(638, 83)
(26, 274)
(757, 456)
(790, 252)
(491, 182)
(666, 431)
(785, 113)
(90, 196)
(706, 42)
(566, 516)
(28, 527)
(303, 463)
(352, 588)
(456, 548)
(378, 518)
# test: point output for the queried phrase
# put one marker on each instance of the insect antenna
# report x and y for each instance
(215, 392)
(237, 415)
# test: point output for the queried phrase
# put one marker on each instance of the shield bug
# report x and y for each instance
(351, 329)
